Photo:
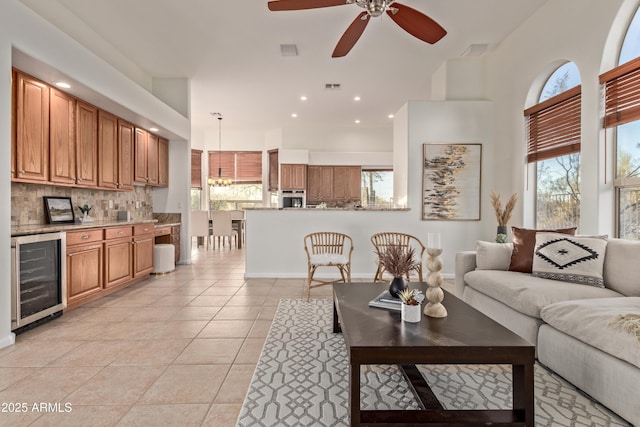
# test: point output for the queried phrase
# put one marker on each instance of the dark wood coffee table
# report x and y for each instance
(375, 336)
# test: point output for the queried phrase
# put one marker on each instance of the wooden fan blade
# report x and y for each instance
(417, 23)
(303, 4)
(351, 35)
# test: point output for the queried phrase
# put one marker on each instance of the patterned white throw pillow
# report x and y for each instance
(576, 259)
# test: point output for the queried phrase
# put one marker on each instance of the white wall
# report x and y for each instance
(21, 29)
(530, 54)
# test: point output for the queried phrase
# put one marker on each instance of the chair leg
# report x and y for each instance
(310, 271)
(378, 275)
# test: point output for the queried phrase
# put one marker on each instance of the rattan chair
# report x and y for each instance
(383, 240)
(327, 249)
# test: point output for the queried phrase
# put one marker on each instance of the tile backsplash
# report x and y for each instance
(27, 206)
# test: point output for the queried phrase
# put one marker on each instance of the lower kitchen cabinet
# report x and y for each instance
(103, 260)
(143, 241)
(84, 271)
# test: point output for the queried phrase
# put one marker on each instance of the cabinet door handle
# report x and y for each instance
(120, 232)
(85, 236)
(146, 229)
(21, 171)
(69, 255)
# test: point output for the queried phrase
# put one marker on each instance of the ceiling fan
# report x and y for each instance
(415, 23)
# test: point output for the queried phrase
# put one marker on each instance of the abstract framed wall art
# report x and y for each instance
(451, 182)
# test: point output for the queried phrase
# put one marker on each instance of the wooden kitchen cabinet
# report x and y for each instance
(273, 170)
(293, 177)
(62, 138)
(126, 149)
(86, 145)
(84, 266)
(140, 171)
(31, 133)
(143, 241)
(163, 162)
(152, 159)
(118, 251)
(108, 152)
(319, 184)
(346, 183)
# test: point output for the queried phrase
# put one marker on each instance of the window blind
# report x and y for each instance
(196, 169)
(553, 126)
(241, 166)
(621, 94)
(249, 167)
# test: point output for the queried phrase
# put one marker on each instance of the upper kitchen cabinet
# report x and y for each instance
(346, 183)
(140, 171)
(273, 170)
(115, 148)
(126, 143)
(146, 167)
(293, 177)
(319, 183)
(163, 162)
(86, 144)
(107, 150)
(62, 138)
(31, 133)
(152, 159)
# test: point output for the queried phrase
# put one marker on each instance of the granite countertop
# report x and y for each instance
(21, 230)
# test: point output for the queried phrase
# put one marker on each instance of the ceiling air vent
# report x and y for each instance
(332, 86)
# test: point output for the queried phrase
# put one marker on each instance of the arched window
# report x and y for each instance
(553, 139)
(622, 113)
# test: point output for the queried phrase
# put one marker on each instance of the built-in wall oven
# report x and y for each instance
(38, 278)
(293, 199)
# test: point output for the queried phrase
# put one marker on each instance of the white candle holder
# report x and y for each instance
(435, 295)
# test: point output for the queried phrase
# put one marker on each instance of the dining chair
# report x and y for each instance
(327, 249)
(381, 241)
(200, 226)
(236, 215)
(221, 227)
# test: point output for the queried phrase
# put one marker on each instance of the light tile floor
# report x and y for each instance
(173, 350)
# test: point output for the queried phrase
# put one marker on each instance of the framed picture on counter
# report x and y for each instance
(451, 182)
(59, 209)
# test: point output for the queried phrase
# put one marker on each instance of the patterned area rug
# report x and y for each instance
(301, 380)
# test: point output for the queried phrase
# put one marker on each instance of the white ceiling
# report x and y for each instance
(230, 51)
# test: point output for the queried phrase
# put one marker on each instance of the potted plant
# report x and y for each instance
(503, 215)
(398, 260)
(411, 299)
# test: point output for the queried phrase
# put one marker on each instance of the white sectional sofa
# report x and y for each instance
(584, 333)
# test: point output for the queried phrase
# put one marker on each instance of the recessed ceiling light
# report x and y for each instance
(153, 129)
(390, 116)
(303, 98)
(356, 98)
(294, 115)
(357, 121)
(63, 85)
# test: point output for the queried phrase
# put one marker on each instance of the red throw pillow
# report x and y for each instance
(524, 243)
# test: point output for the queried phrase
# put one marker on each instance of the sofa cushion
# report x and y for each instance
(493, 256)
(524, 242)
(622, 267)
(527, 294)
(576, 259)
(593, 322)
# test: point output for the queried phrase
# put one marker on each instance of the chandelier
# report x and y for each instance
(219, 182)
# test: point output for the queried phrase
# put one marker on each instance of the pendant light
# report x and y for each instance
(219, 182)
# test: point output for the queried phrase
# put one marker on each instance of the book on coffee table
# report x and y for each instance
(385, 300)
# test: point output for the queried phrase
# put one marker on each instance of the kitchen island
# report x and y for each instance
(275, 245)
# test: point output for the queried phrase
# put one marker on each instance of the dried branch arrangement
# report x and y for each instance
(503, 215)
(398, 260)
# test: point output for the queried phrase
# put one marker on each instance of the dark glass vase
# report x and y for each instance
(397, 285)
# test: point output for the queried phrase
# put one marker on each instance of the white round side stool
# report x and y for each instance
(163, 258)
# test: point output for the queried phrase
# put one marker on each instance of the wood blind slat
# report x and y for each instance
(240, 166)
(553, 128)
(196, 169)
(621, 94)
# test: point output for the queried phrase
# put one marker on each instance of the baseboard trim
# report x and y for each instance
(8, 340)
